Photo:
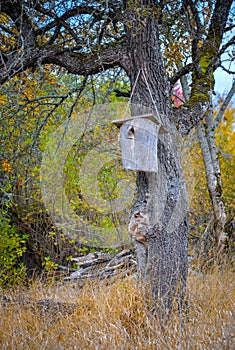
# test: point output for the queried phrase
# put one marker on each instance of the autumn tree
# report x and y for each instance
(202, 239)
(88, 37)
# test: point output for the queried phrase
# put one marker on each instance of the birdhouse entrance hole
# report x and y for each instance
(131, 132)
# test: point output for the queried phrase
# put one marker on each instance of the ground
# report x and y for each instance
(102, 315)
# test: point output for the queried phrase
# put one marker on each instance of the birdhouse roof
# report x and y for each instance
(149, 116)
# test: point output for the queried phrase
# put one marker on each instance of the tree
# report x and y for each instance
(206, 137)
(90, 37)
(203, 245)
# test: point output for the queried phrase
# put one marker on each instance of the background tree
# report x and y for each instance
(202, 239)
(86, 38)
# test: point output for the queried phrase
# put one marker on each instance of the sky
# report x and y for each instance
(223, 82)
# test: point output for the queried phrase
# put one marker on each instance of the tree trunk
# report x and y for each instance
(159, 212)
(206, 139)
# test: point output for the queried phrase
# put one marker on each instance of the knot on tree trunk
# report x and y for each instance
(139, 226)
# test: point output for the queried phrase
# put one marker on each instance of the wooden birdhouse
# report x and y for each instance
(138, 138)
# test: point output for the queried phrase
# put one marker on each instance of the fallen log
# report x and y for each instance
(100, 265)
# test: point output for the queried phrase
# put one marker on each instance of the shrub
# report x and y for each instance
(12, 247)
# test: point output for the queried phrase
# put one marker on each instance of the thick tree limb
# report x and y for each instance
(27, 52)
(181, 72)
(186, 118)
(218, 21)
(90, 63)
(94, 62)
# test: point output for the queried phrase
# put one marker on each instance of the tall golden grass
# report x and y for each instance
(101, 316)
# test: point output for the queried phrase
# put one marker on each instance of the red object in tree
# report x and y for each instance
(178, 92)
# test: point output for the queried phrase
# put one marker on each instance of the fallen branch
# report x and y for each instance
(102, 265)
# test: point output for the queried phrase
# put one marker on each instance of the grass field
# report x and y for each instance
(100, 316)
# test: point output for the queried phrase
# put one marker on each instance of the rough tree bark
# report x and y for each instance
(162, 254)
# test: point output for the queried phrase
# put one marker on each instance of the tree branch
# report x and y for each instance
(183, 71)
(60, 21)
(202, 77)
(77, 10)
(120, 93)
(224, 106)
(188, 117)
(227, 70)
(21, 20)
(100, 59)
(227, 29)
(218, 22)
(178, 96)
(225, 46)
(8, 31)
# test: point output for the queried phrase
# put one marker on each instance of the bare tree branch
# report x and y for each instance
(226, 45)
(178, 96)
(23, 23)
(224, 106)
(227, 70)
(8, 31)
(229, 28)
(61, 21)
(95, 12)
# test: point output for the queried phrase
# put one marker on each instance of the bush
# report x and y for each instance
(12, 247)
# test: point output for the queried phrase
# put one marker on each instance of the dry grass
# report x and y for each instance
(114, 317)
